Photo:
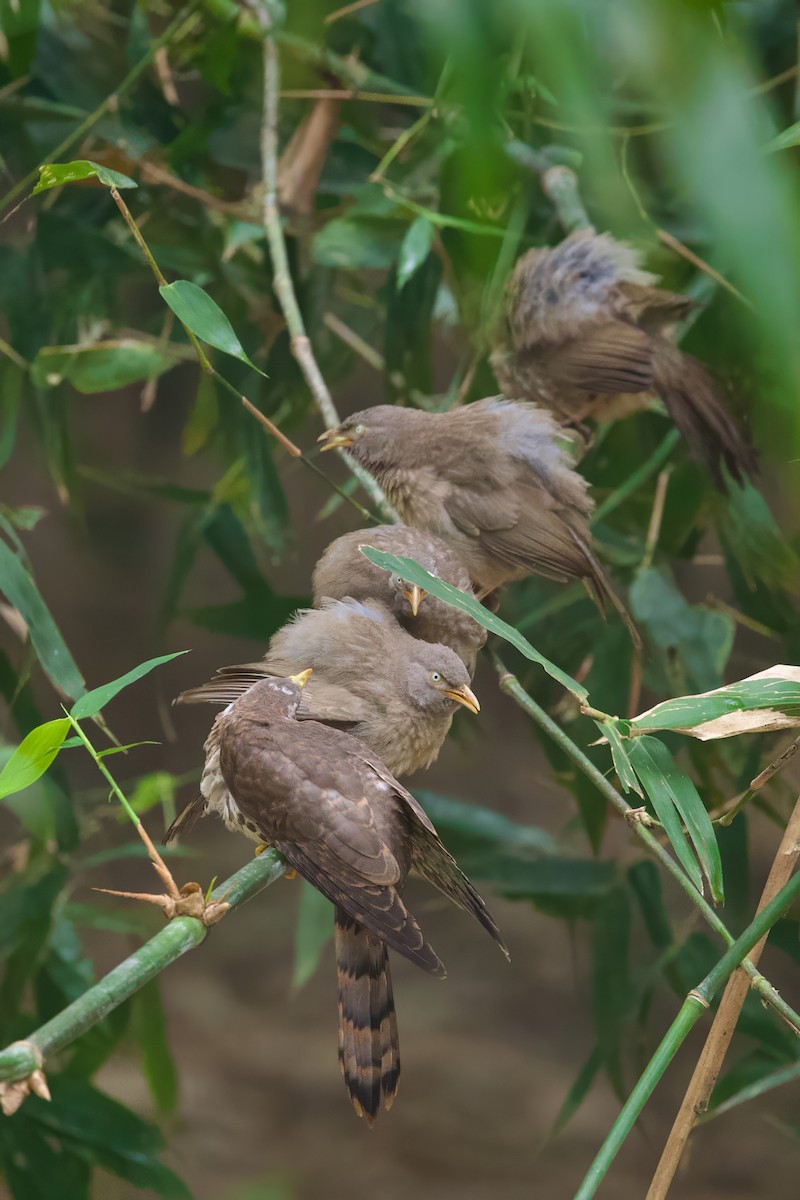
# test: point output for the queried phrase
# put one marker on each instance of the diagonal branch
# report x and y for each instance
(282, 279)
(22, 1062)
(698, 1093)
(513, 688)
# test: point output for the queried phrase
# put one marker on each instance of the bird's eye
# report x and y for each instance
(358, 429)
(435, 677)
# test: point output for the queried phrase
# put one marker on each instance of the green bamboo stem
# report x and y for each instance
(512, 687)
(281, 275)
(106, 105)
(695, 1004)
(20, 1059)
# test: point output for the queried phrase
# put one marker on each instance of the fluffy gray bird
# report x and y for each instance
(589, 337)
(339, 818)
(344, 571)
(370, 678)
(491, 479)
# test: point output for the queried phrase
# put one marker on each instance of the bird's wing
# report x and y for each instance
(432, 860)
(332, 703)
(333, 821)
(521, 528)
(607, 359)
(227, 685)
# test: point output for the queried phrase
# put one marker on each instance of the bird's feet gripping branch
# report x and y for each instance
(189, 900)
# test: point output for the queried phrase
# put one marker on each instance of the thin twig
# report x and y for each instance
(347, 10)
(656, 517)
(758, 783)
(356, 343)
(698, 1094)
(669, 240)
(352, 94)
(282, 279)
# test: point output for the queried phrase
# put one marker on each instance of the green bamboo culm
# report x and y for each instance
(695, 1004)
(20, 1059)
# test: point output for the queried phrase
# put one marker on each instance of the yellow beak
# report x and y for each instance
(466, 696)
(333, 439)
(302, 678)
(415, 595)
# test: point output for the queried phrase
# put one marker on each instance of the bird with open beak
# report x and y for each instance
(371, 678)
(588, 336)
(490, 478)
(330, 806)
(343, 571)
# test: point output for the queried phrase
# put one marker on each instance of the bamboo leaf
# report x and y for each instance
(102, 367)
(314, 931)
(412, 572)
(784, 140)
(158, 1064)
(414, 249)
(578, 1092)
(674, 796)
(93, 701)
(51, 649)
(619, 754)
(203, 316)
(55, 174)
(33, 756)
(762, 702)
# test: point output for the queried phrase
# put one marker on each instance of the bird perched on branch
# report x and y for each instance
(491, 479)
(344, 571)
(371, 678)
(329, 805)
(589, 337)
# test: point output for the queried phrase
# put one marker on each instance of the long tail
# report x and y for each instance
(711, 432)
(600, 588)
(369, 1052)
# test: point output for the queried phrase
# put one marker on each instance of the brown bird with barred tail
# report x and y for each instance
(340, 819)
(589, 338)
(344, 571)
(491, 479)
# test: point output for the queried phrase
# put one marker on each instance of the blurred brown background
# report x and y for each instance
(488, 1055)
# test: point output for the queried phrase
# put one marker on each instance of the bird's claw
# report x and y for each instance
(186, 901)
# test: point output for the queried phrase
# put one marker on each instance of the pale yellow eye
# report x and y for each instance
(358, 429)
(435, 677)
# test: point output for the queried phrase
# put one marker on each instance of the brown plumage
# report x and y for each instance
(588, 336)
(329, 805)
(343, 571)
(370, 677)
(491, 479)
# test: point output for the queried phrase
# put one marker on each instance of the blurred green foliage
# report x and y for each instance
(430, 185)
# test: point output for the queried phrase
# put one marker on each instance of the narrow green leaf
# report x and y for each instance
(611, 991)
(50, 647)
(414, 250)
(314, 931)
(784, 140)
(622, 762)
(158, 1064)
(578, 1092)
(93, 701)
(55, 174)
(195, 309)
(765, 701)
(102, 367)
(412, 572)
(33, 756)
(673, 794)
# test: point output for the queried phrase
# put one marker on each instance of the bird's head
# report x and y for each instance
(406, 597)
(437, 680)
(371, 436)
(554, 289)
(274, 698)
